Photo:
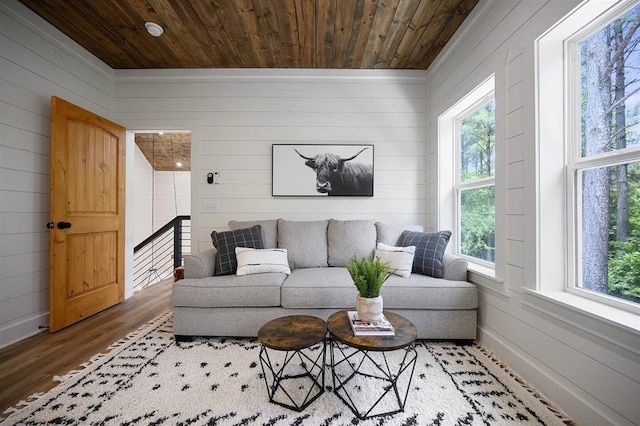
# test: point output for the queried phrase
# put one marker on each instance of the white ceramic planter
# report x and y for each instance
(369, 308)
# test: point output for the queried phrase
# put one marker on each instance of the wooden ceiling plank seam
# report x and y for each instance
(454, 22)
(225, 10)
(306, 24)
(366, 23)
(268, 25)
(379, 30)
(249, 21)
(329, 31)
(285, 11)
(345, 16)
(177, 31)
(200, 32)
(220, 42)
(404, 13)
(324, 32)
(436, 24)
(420, 21)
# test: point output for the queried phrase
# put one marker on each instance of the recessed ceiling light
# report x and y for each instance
(154, 29)
(178, 164)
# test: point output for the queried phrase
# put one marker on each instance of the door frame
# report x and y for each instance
(154, 126)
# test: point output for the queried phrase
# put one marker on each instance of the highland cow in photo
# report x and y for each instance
(341, 176)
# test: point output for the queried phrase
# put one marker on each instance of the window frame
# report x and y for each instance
(460, 186)
(482, 273)
(559, 162)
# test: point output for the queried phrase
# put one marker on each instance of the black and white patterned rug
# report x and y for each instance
(147, 379)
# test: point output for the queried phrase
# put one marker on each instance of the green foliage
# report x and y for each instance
(368, 275)
(478, 224)
(624, 269)
(624, 256)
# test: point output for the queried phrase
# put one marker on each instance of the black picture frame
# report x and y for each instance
(344, 170)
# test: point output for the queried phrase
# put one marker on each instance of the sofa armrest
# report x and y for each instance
(200, 265)
(455, 268)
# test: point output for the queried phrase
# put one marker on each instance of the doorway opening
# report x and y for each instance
(162, 204)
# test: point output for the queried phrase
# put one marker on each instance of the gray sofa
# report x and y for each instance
(231, 305)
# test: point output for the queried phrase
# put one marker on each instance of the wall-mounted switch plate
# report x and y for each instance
(209, 206)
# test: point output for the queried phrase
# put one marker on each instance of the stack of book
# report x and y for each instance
(377, 328)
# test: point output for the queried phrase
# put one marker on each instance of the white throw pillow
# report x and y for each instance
(258, 261)
(400, 259)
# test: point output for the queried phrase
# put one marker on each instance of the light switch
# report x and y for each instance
(209, 206)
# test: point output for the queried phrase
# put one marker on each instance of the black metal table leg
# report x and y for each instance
(350, 366)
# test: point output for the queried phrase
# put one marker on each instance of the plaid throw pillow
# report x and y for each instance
(430, 248)
(226, 243)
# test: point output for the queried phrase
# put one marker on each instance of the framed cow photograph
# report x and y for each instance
(322, 170)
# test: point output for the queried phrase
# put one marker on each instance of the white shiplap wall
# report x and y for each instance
(36, 62)
(172, 196)
(143, 197)
(591, 373)
(158, 197)
(237, 115)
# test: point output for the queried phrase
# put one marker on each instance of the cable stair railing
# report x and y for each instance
(156, 258)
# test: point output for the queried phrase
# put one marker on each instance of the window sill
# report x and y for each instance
(608, 323)
(486, 278)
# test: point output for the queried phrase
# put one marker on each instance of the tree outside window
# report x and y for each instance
(607, 161)
(476, 181)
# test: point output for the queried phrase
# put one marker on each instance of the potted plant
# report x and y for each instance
(368, 275)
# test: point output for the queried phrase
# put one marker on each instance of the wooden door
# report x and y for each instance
(87, 214)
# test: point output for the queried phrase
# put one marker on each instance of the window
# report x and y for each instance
(604, 158)
(595, 111)
(475, 180)
(470, 175)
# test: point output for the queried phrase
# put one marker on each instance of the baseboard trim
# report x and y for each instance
(15, 332)
(581, 407)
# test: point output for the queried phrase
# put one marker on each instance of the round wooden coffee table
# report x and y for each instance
(383, 365)
(293, 359)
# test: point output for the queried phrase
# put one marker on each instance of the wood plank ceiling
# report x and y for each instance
(341, 34)
(167, 151)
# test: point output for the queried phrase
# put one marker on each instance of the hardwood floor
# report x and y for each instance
(29, 366)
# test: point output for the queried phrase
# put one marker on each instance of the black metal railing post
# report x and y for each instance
(157, 257)
(177, 243)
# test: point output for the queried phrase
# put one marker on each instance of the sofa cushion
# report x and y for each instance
(400, 259)
(389, 233)
(305, 241)
(319, 288)
(430, 247)
(269, 230)
(226, 243)
(229, 291)
(256, 261)
(425, 292)
(333, 288)
(348, 238)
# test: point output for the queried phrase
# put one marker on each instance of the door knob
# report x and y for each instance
(64, 225)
